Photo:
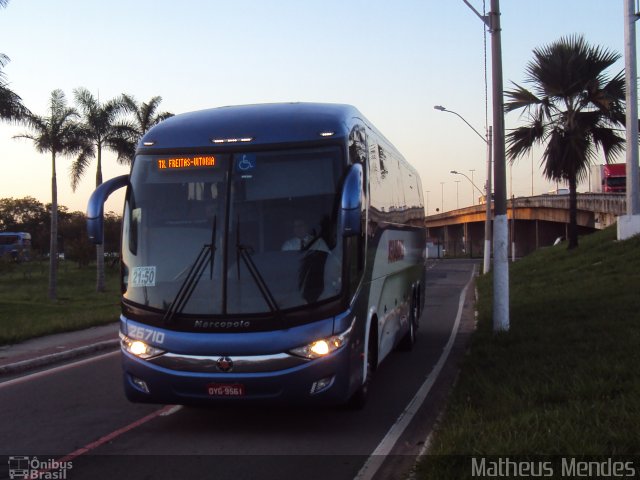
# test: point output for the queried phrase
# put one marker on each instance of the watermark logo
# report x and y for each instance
(555, 466)
(32, 468)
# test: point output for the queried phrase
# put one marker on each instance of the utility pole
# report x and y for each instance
(500, 226)
(629, 224)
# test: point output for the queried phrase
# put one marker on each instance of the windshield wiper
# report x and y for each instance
(207, 254)
(244, 252)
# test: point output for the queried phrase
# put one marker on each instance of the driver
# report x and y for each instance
(303, 240)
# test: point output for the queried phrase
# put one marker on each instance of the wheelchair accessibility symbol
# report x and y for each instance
(246, 162)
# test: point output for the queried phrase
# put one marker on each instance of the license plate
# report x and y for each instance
(225, 389)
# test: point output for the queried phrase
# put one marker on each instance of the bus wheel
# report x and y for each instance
(359, 398)
(407, 342)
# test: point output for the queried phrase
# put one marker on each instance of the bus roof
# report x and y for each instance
(18, 234)
(263, 123)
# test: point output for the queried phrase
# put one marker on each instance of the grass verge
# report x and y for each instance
(564, 380)
(26, 312)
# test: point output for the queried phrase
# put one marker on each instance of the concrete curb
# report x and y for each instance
(33, 363)
(424, 451)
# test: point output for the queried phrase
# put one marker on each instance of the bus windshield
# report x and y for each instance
(245, 233)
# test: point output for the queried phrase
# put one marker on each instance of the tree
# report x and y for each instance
(145, 116)
(102, 129)
(30, 215)
(11, 107)
(18, 213)
(57, 134)
(574, 108)
(26, 215)
(112, 232)
(77, 247)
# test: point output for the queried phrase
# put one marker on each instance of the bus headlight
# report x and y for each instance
(323, 346)
(139, 348)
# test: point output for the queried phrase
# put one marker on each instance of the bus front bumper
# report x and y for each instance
(322, 380)
(293, 375)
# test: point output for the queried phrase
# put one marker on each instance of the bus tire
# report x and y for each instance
(409, 340)
(359, 398)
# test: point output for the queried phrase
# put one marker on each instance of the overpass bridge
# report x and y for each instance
(534, 222)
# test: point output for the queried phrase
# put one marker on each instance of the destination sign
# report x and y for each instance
(182, 163)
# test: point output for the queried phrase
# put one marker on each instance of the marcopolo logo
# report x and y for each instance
(223, 324)
(23, 467)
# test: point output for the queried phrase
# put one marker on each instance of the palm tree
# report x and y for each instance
(11, 107)
(58, 134)
(574, 108)
(145, 116)
(102, 130)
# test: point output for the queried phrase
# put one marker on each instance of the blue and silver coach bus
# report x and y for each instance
(269, 252)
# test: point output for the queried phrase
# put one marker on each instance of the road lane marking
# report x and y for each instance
(171, 411)
(51, 371)
(377, 458)
(162, 412)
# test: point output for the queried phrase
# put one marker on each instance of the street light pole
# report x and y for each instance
(488, 200)
(473, 200)
(457, 194)
(441, 197)
(443, 109)
(488, 197)
(487, 224)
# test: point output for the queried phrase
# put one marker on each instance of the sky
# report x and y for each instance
(393, 60)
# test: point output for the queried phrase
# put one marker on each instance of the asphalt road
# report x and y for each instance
(77, 413)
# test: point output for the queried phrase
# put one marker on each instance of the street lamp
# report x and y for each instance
(471, 181)
(487, 223)
(443, 109)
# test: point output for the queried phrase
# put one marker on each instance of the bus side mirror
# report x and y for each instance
(351, 202)
(95, 208)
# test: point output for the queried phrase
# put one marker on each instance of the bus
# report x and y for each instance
(15, 245)
(270, 253)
